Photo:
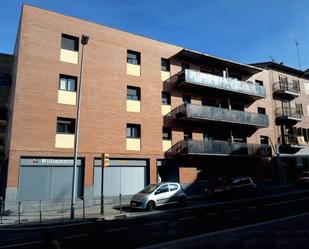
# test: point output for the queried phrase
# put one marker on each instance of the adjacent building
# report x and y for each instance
(290, 92)
(155, 108)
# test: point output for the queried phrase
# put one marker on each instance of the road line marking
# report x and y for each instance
(252, 207)
(186, 218)
(154, 223)
(22, 244)
(116, 229)
(76, 236)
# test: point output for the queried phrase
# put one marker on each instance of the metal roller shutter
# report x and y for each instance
(125, 176)
(48, 179)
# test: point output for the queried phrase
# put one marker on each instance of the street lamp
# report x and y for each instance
(84, 41)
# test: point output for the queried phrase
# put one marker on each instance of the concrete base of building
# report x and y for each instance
(88, 195)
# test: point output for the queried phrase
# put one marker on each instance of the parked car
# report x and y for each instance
(303, 179)
(237, 186)
(159, 194)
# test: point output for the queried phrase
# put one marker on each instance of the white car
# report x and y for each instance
(155, 195)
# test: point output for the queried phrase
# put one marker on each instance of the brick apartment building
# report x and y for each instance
(156, 108)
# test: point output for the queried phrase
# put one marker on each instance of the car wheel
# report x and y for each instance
(182, 201)
(150, 206)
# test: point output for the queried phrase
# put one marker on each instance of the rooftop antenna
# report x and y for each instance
(297, 43)
(271, 58)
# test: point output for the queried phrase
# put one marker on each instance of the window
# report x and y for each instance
(296, 85)
(69, 42)
(283, 82)
(239, 137)
(67, 83)
(209, 102)
(133, 57)
(237, 106)
(163, 189)
(65, 125)
(166, 133)
(259, 82)
(133, 131)
(264, 140)
(299, 109)
(306, 88)
(165, 65)
(187, 134)
(166, 98)
(173, 187)
(185, 66)
(133, 93)
(261, 110)
(234, 76)
(186, 99)
(236, 181)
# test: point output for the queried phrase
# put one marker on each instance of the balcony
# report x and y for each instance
(292, 144)
(190, 78)
(218, 148)
(222, 115)
(285, 91)
(287, 116)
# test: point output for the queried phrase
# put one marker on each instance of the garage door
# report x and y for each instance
(48, 179)
(125, 176)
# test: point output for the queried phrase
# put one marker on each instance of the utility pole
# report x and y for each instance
(84, 41)
(297, 44)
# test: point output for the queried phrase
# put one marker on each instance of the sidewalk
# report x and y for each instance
(113, 209)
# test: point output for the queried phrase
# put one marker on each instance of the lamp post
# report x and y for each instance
(84, 42)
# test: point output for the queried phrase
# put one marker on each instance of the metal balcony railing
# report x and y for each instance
(286, 91)
(216, 147)
(288, 113)
(287, 116)
(218, 82)
(290, 87)
(210, 113)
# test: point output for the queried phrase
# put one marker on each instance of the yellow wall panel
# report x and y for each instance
(69, 56)
(133, 106)
(66, 97)
(64, 141)
(166, 109)
(166, 144)
(133, 144)
(165, 75)
(133, 69)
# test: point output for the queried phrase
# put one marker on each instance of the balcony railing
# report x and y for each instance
(287, 116)
(286, 91)
(190, 77)
(219, 148)
(216, 114)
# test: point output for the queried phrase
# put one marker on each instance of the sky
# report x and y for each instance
(246, 31)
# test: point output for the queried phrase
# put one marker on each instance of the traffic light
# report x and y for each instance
(105, 160)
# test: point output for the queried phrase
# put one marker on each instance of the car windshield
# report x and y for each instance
(149, 189)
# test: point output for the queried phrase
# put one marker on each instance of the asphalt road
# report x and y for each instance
(165, 224)
(284, 233)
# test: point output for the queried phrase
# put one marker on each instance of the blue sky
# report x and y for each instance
(247, 31)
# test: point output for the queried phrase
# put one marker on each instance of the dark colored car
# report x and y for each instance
(303, 180)
(237, 186)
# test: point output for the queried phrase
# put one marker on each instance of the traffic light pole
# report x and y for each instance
(104, 163)
(102, 187)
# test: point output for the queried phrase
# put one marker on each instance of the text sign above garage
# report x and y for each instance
(48, 162)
